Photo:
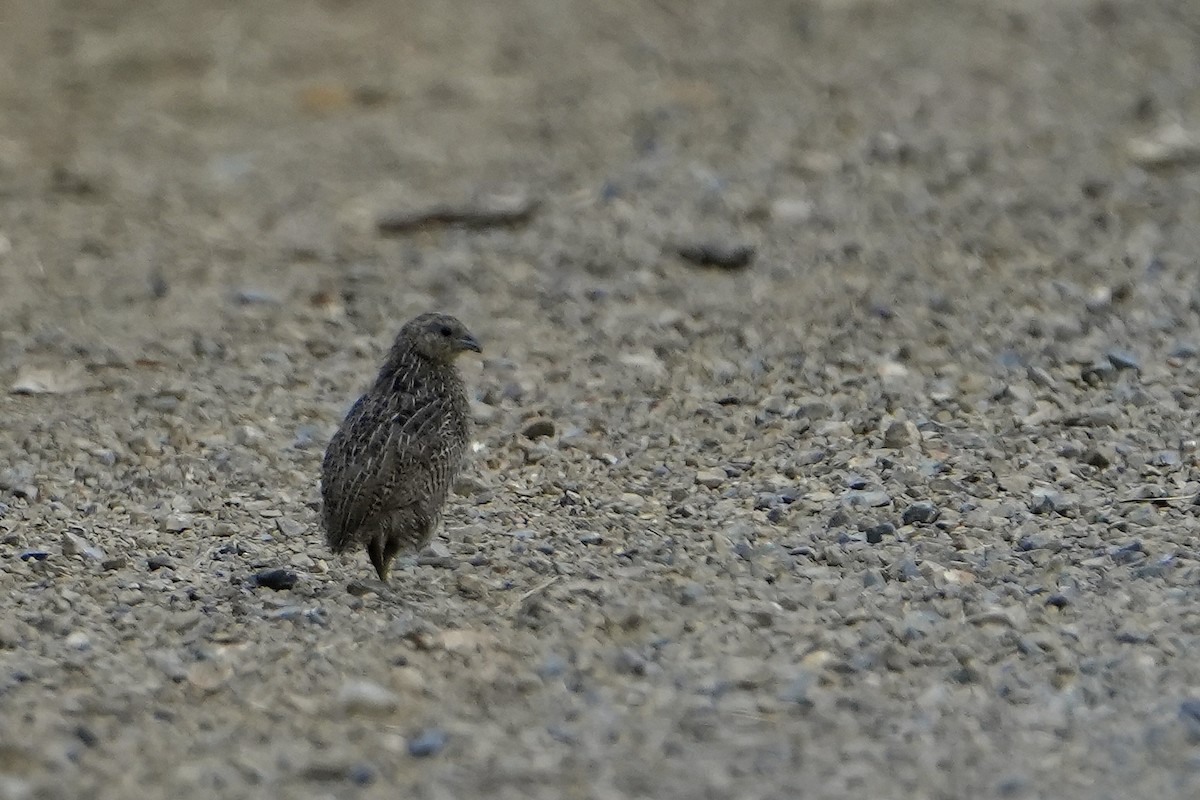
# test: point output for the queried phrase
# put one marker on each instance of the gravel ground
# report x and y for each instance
(835, 426)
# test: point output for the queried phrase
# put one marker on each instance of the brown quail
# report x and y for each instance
(389, 467)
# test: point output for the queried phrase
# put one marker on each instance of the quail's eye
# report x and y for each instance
(445, 331)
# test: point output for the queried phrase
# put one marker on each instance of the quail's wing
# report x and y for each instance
(390, 441)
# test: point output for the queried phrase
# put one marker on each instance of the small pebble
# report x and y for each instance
(1044, 501)
(865, 499)
(900, 435)
(253, 297)
(552, 667)
(876, 533)
(922, 512)
(176, 523)
(428, 742)
(538, 429)
(723, 255)
(1123, 359)
(361, 774)
(277, 579)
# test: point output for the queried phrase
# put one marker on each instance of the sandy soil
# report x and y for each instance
(902, 508)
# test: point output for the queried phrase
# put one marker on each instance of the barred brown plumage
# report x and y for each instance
(389, 467)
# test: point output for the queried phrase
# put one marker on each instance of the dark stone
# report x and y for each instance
(1058, 600)
(538, 428)
(428, 742)
(724, 255)
(1123, 359)
(922, 512)
(361, 774)
(487, 212)
(1128, 553)
(552, 667)
(1189, 714)
(277, 579)
(875, 533)
(690, 594)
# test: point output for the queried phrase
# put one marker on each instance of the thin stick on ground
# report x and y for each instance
(541, 587)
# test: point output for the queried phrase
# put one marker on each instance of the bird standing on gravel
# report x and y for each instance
(389, 467)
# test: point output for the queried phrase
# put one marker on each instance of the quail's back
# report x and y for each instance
(388, 469)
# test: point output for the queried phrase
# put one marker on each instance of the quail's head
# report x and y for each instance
(437, 337)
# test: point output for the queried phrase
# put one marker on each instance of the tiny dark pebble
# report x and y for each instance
(277, 579)
(1038, 541)
(591, 538)
(1155, 569)
(1097, 373)
(1058, 600)
(159, 562)
(875, 533)
(538, 429)
(1044, 501)
(326, 772)
(775, 515)
(561, 734)
(765, 500)
(856, 481)
(436, 560)
(871, 499)
(159, 288)
(1184, 350)
(1132, 637)
(254, 297)
(717, 254)
(800, 690)
(494, 212)
(428, 742)
(361, 774)
(690, 594)
(1123, 359)
(907, 570)
(1128, 553)
(1190, 708)
(552, 667)
(1011, 787)
(630, 661)
(86, 735)
(922, 512)
(34, 554)
(1165, 458)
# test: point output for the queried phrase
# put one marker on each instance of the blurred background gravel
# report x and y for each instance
(836, 422)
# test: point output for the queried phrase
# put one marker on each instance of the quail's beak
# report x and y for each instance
(469, 342)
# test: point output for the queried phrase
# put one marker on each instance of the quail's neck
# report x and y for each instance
(405, 366)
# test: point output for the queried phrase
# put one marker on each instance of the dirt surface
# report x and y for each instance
(865, 512)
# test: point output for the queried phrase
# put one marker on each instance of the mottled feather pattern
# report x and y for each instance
(388, 469)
